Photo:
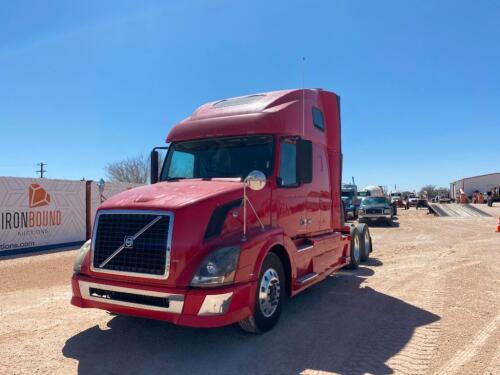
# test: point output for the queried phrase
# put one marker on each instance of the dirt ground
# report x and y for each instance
(427, 302)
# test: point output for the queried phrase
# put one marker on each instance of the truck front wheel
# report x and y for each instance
(269, 297)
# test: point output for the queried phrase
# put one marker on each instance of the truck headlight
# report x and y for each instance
(387, 210)
(80, 256)
(218, 268)
(361, 211)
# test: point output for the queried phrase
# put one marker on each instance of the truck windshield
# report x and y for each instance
(347, 193)
(219, 157)
(374, 200)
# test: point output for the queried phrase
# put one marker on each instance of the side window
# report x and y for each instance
(318, 119)
(181, 165)
(288, 163)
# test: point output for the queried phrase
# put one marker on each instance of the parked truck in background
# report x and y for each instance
(376, 209)
(443, 198)
(397, 199)
(245, 212)
(350, 201)
(411, 200)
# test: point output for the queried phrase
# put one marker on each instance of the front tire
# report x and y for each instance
(269, 297)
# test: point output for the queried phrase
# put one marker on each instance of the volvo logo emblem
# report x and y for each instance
(129, 241)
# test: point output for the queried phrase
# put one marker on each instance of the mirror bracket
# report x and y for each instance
(256, 180)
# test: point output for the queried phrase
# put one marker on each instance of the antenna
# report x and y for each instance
(303, 97)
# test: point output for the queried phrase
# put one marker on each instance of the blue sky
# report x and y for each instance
(86, 83)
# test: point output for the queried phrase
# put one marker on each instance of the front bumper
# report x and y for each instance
(375, 216)
(192, 307)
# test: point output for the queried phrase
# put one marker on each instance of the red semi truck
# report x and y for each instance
(245, 212)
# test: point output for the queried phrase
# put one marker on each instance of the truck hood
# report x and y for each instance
(170, 194)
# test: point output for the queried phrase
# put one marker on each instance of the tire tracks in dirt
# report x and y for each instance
(422, 285)
(417, 352)
(466, 354)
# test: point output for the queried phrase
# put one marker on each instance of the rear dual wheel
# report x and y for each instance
(355, 248)
(366, 243)
(361, 245)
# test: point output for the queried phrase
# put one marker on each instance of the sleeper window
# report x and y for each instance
(318, 119)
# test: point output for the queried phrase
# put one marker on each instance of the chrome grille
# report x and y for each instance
(374, 211)
(132, 242)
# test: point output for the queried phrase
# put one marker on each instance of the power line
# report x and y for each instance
(41, 171)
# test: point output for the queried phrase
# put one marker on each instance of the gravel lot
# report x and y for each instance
(427, 302)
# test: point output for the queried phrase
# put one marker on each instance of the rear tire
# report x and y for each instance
(269, 297)
(355, 249)
(365, 242)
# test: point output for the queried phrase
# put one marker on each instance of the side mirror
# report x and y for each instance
(256, 180)
(153, 173)
(304, 161)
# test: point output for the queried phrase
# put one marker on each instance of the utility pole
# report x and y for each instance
(41, 171)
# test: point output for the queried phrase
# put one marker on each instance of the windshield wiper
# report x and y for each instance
(174, 178)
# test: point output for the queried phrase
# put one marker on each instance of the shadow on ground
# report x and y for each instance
(336, 326)
(373, 262)
(382, 224)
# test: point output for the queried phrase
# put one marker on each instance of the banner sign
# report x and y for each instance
(41, 214)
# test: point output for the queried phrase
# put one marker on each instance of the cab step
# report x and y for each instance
(307, 278)
(304, 247)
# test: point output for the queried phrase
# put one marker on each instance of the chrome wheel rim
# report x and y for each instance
(356, 248)
(269, 292)
(368, 244)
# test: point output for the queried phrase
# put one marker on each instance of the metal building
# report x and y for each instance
(469, 185)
